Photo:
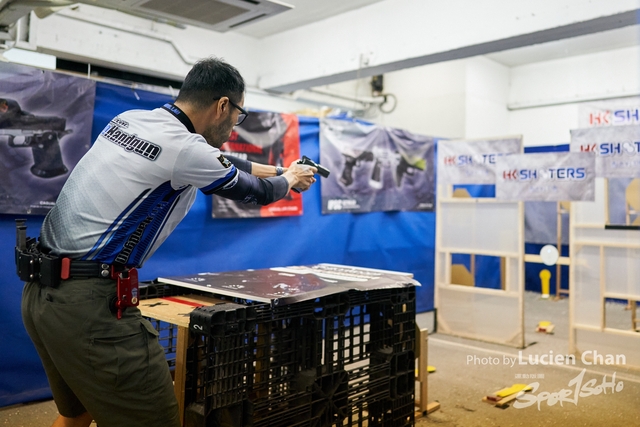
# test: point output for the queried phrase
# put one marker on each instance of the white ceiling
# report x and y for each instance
(592, 43)
(309, 11)
(304, 12)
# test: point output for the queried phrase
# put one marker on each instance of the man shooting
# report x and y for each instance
(122, 200)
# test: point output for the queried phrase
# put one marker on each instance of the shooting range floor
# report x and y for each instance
(459, 383)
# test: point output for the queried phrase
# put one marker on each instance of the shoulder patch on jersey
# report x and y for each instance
(225, 162)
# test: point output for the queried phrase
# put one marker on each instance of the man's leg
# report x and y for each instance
(116, 368)
(83, 420)
(66, 401)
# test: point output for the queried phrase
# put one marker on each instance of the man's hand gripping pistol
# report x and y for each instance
(322, 171)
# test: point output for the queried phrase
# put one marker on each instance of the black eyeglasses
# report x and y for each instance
(243, 113)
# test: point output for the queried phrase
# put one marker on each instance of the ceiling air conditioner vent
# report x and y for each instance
(217, 15)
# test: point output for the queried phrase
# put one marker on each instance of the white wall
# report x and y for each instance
(118, 40)
(478, 97)
(487, 91)
(567, 83)
(545, 125)
(258, 100)
(466, 98)
(454, 99)
(431, 99)
(606, 74)
(391, 35)
(380, 38)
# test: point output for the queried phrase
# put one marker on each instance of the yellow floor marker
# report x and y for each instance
(511, 390)
(502, 397)
(545, 326)
(430, 370)
(545, 275)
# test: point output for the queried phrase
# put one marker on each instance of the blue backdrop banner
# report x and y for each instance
(400, 241)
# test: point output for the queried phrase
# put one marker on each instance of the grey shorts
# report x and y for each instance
(114, 369)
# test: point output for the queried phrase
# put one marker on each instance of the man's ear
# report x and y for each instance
(218, 108)
(223, 105)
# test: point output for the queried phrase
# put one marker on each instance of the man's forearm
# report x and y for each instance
(264, 171)
(256, 169)
(251, 189)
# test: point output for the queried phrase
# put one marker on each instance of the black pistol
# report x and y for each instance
(42, 134)
(350, 162)
(322, 171)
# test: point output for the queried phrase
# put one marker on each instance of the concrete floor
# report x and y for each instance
(459, 385)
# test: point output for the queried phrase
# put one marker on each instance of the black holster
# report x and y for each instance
(34, 265)
(31, 263)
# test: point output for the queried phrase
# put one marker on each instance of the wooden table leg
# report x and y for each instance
(422, 369)
(181, 368)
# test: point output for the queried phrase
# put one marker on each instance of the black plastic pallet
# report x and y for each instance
(343, 359)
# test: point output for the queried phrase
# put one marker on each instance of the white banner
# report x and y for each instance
(615, 112)
(473, 161)
(375, 168)
(617, 149)
(550, 177)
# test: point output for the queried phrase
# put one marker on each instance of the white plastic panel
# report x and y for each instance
(441, 259)
(588, 306)
(590, 343)
(512, 274)
(622, 271)
(611, 237)
(591, 212)
(486, 317)
(480, 226)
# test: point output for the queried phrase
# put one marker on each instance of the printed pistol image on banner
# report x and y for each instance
(377, 168)
(40, 133)
(46, 122)
(267, 138)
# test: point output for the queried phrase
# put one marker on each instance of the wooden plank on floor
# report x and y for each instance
(431, 407)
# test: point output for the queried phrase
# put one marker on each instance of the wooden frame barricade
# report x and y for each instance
(605, 265)
(480, 226)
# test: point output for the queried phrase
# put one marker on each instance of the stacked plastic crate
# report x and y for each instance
(342, 359)
(218, 363)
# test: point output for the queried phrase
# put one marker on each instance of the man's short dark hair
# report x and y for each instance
(209, 79)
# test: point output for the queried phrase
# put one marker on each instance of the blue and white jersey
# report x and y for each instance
(132, 188)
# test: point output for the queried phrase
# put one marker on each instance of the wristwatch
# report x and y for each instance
(279, 170)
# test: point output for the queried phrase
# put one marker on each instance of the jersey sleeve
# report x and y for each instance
(242, 164)
(204, 167)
